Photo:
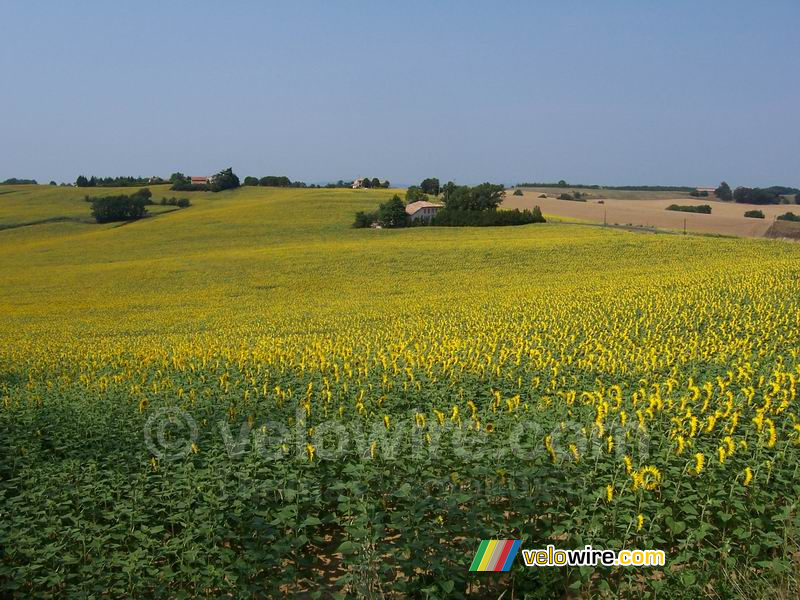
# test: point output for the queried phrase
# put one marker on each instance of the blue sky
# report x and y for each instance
(611, 92)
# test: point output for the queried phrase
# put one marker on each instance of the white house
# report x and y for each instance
(422, 210)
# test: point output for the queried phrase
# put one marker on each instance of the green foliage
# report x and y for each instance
(250, 181)
(430, 186)
(574, 196)
(106, 209)
(415, 194)
(276, 181)
(747, 195)
(486, 196)
(723, 192)
(486, 218)
(699, 194)
(702, 208)
(518, 192)
(365, 219)
(224, 180)
(754, 214)
(15, 181)
(789, 216)
(629, 188)
(393, 213)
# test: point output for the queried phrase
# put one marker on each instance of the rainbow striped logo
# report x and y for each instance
(495, 555)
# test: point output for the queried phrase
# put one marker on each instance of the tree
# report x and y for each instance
(92, 181)
(53, 183)
(386, 185)
(415, 194)
(562, 183)
(81, 181)
(430, 186)
(376, 183)
(447, 190)
(486, 196)
(224, 180)
(366, 182)
(250, 181)
(145, 194)
(537, 215)
(178, 178)
(393, 213)
(723, 192)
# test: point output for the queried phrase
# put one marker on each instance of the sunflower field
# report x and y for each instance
(248, 399)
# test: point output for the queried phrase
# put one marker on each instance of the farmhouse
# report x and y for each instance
(200, 180)
(709, 190)
(359, 183)
(422, 210)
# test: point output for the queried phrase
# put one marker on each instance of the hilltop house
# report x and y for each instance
(200, 180)
(422, 210)
(359, 183)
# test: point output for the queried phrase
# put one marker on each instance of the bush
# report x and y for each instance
(789, 216)
(179, 202)
(190, 187)
(487, 218)
(250, 181)
(754, 214)
(702, 208)
(365, 219)
(698, 194)
(542, 195)
(574, 197)
(106, 209)
(518, 192)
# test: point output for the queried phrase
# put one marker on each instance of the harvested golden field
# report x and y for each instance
(648, 209)
(250, 398)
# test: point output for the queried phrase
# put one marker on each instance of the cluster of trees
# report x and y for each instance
(106, 209)
(702, 208)
(574, 196)
(127, 207)
(83, 181)
(390, 214)
(373, 183)
(273, 181)
(15, 181)
(224, 180)
(789, 216)
(775, 194)
(754, 214)
(698, 194)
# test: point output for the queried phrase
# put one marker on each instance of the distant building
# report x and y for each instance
(359, 183)
(710, 190)
(200, 180)
(422, 210)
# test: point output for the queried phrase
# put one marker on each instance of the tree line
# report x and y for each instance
(16, 181)
(775, 194)
(629, 188)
